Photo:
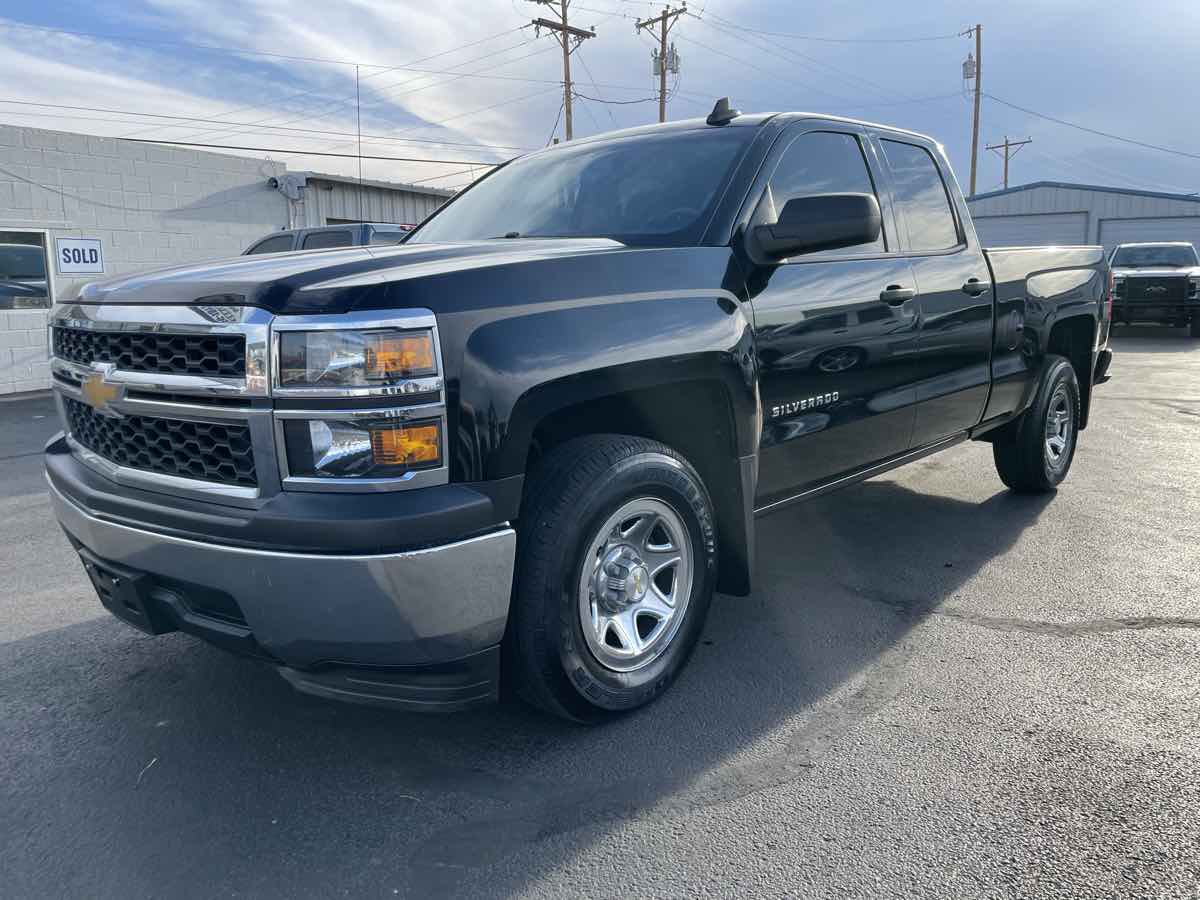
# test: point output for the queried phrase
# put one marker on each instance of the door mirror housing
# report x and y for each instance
(820, 222)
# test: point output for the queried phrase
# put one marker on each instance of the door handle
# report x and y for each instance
(894, 295)
(974, 287)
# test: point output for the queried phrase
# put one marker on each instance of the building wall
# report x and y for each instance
(150, 206)
(324, 201)
(1097, 205)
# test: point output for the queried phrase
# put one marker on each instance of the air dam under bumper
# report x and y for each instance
(417, 629)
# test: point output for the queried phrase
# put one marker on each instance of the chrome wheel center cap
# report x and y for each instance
(621, 579)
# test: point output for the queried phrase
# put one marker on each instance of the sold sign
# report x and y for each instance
(79, 256)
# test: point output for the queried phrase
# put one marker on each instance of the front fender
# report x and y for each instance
(518, 370)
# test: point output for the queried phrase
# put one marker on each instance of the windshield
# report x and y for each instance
(640, 190)
(1171, 256)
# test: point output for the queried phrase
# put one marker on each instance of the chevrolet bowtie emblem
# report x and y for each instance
(99, 393)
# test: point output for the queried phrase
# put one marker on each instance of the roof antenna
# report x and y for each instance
(721, 113)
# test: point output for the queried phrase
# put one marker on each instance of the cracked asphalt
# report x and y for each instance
(938, 689)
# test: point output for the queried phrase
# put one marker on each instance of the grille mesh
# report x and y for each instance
(212, 355)
(201, 450)
(1163, 289)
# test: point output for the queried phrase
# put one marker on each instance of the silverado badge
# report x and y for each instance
(795, 406)
(99, 393)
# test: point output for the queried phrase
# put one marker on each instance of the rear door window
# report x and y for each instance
(320, 240)
(281, 243)
(921, 197)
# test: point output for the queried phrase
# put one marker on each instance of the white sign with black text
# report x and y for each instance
(79, 256)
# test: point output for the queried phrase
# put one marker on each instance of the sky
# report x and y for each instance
(450, 85)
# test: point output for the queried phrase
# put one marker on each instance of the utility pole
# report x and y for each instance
(977, 70)
(665, 61)
(1010, 149)
(566, 34)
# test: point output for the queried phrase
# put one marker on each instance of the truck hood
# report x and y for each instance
(327, 280)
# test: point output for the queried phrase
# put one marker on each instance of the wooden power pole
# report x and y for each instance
(664, 21)
(1010, 149)
(569, 38)
(978, 30)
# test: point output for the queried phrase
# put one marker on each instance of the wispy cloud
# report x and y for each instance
(1069, 65)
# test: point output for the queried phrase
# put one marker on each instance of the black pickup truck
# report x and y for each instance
(527, 445)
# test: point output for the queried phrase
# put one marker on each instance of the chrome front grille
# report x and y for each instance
(178, 399)
(207, 451)
(216, 355)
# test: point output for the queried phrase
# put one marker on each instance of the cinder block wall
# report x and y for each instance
(151, 206)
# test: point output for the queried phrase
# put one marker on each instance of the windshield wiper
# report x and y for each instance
(507, 235)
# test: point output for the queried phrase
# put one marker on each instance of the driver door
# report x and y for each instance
(836, 331)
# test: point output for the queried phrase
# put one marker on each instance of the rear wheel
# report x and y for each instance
(1194, 328)
(615, 571)
(1034, 454)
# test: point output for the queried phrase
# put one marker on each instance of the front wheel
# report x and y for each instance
(1034, 454)
(615, 571)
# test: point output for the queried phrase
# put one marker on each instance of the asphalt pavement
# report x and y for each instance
(938, 689)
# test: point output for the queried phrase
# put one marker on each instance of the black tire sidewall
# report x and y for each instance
(1061, 373)
(588, 688)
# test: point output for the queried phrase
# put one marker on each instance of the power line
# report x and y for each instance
(446, 174)
(726, 25)
(761, 69)
(410, 159)
(320, 131)
(833, 40)
(1105, 134)
(309, 93)
(89, 202)
(616, 102)
(557, 118)
(320, 113)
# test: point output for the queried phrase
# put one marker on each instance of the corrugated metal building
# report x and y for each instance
(1055, 212)
(338, 199)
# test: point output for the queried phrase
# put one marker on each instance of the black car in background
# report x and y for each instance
(358, 234)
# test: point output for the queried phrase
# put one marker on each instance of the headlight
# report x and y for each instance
(358, 448)
(374, 358)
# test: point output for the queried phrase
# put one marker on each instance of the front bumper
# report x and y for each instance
(416, 629)
(1137, 311)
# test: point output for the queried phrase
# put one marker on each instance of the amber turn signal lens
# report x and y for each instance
(406, 445)
(391, 354)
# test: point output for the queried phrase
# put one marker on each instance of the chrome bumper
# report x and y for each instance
(423, 607)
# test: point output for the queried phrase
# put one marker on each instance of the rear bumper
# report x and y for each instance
(417, 629)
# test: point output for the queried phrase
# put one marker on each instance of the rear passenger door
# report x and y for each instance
(833, 329)
(954, 299)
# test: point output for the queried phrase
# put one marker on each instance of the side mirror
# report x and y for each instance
(820, 222)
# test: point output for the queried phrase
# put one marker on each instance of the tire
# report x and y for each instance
(1025, 453)
(1194, 328)
(569, 648)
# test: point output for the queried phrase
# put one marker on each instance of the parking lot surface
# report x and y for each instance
(937, 689)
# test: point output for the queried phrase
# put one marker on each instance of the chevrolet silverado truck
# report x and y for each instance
(525, 447)
(1157, 283)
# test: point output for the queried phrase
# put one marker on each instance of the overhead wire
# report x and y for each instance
(202, 120)
(383, 71)
(1095, 131)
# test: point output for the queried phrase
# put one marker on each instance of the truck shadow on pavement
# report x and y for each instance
(276, 794)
